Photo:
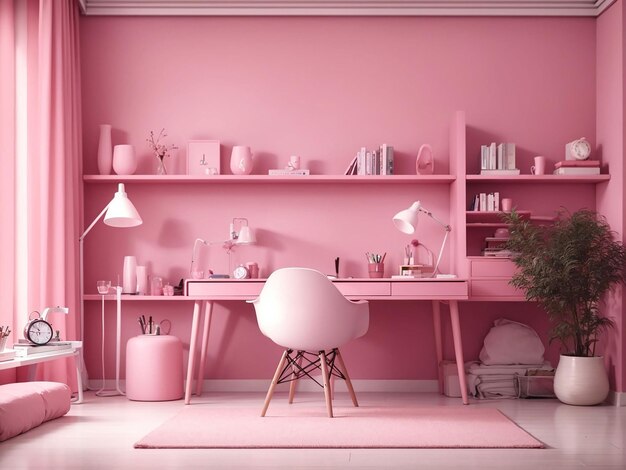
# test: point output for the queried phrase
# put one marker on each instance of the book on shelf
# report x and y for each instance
(372, 162)
(485, 202)
(287, 172)
(577, 163)
(512, 171)
(27, 349)
(577, 171)
(351, 170)
(497, 157)
(7, 355)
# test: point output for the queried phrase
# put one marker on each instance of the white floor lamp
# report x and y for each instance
(120, 212)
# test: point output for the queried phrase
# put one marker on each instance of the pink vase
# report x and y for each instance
(105, 150)
(241, 160)
(124, 159)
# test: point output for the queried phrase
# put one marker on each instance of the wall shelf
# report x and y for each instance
(266, 179)
(525, 179)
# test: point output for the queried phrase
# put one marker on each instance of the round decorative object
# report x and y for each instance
(105, 150)
(425, 163)
(581, 380)
(124, 159)
(38, 331)
(580, 149)
(241, 160)
(241, 272)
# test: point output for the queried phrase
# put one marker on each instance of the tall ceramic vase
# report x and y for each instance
(241, 160)
(105, 150)
(129, 282)
(581, 380)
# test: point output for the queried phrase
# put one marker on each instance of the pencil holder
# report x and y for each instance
(376, 270)
(3, 342)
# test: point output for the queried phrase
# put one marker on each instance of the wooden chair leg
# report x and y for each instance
(348, 381)
(329, 403)
(270, 392)
(292, 385)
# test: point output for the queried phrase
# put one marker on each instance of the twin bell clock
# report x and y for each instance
(38, 330)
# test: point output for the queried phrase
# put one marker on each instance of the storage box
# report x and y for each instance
(451, 385)
(535, 386)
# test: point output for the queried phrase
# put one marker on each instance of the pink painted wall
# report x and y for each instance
(320, 88)
(610, 136)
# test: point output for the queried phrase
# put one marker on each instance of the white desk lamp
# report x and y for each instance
(120, 212)
(406, 222)
(245, 236)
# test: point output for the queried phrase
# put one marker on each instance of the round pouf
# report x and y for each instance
(154, 368)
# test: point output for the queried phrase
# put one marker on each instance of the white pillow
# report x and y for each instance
(510, 342)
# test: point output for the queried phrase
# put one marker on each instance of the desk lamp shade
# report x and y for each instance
(121, 212)
(406, 220)
(246, 236)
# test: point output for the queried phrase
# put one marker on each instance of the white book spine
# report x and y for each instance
(483, 202)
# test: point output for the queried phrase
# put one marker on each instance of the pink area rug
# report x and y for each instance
(211, 426)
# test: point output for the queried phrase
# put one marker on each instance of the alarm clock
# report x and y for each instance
(578, 150)
(38, 331)
(241, 272)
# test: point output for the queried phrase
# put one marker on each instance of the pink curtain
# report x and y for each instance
(53, 170)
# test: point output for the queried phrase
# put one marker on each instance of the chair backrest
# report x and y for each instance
(301, 309)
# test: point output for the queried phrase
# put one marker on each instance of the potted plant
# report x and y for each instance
(568, 267)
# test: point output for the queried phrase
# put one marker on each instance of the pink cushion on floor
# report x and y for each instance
(26, 405)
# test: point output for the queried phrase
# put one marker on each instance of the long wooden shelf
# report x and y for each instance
(525, 179)
(266, 179)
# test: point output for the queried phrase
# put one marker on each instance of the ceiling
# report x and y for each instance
(345, 7)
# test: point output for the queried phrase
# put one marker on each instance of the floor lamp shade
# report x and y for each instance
(121, 211)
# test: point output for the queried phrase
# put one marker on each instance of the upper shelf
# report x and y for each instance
(539, 178)
(343, 179)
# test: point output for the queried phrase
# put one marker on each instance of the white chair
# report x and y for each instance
(301, 310)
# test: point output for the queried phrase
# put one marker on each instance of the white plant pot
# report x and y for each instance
(581, 380)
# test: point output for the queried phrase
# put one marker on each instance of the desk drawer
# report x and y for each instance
(365, 289)
(429, 289)
(495, 288)
(492, 268)
(225, 289)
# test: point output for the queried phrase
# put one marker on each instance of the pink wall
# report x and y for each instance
(610, 137)
(320, 88)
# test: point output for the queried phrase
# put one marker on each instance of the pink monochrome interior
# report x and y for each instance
(321, 88)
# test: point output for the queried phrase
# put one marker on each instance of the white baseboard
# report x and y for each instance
(261, 385)
(617, 398)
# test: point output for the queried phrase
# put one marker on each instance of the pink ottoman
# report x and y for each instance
(154, 368)
(26, 405)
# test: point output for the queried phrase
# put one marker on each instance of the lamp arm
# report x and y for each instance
(430, 214)
(95, 221)
(443, 244)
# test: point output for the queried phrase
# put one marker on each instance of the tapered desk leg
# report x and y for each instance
(208, 308)
(438, 345)
(458, 349)
(79, 380)
(192, 350)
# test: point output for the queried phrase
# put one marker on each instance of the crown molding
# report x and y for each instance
(590, 8)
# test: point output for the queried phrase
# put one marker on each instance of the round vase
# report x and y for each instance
(581, 380)
(105, 150)
(124, 159)
(241, 160)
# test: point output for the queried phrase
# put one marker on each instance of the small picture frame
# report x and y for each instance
(203, 157)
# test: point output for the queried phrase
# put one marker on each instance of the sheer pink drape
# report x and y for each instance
(7, 163)
(53, 170)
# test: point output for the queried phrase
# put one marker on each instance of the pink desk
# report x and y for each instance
(207, 291)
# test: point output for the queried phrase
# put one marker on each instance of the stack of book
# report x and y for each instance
(498, 160)
(372, 162)
(496, 247)
(577, 167)
(24, 349)
(288, 172)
